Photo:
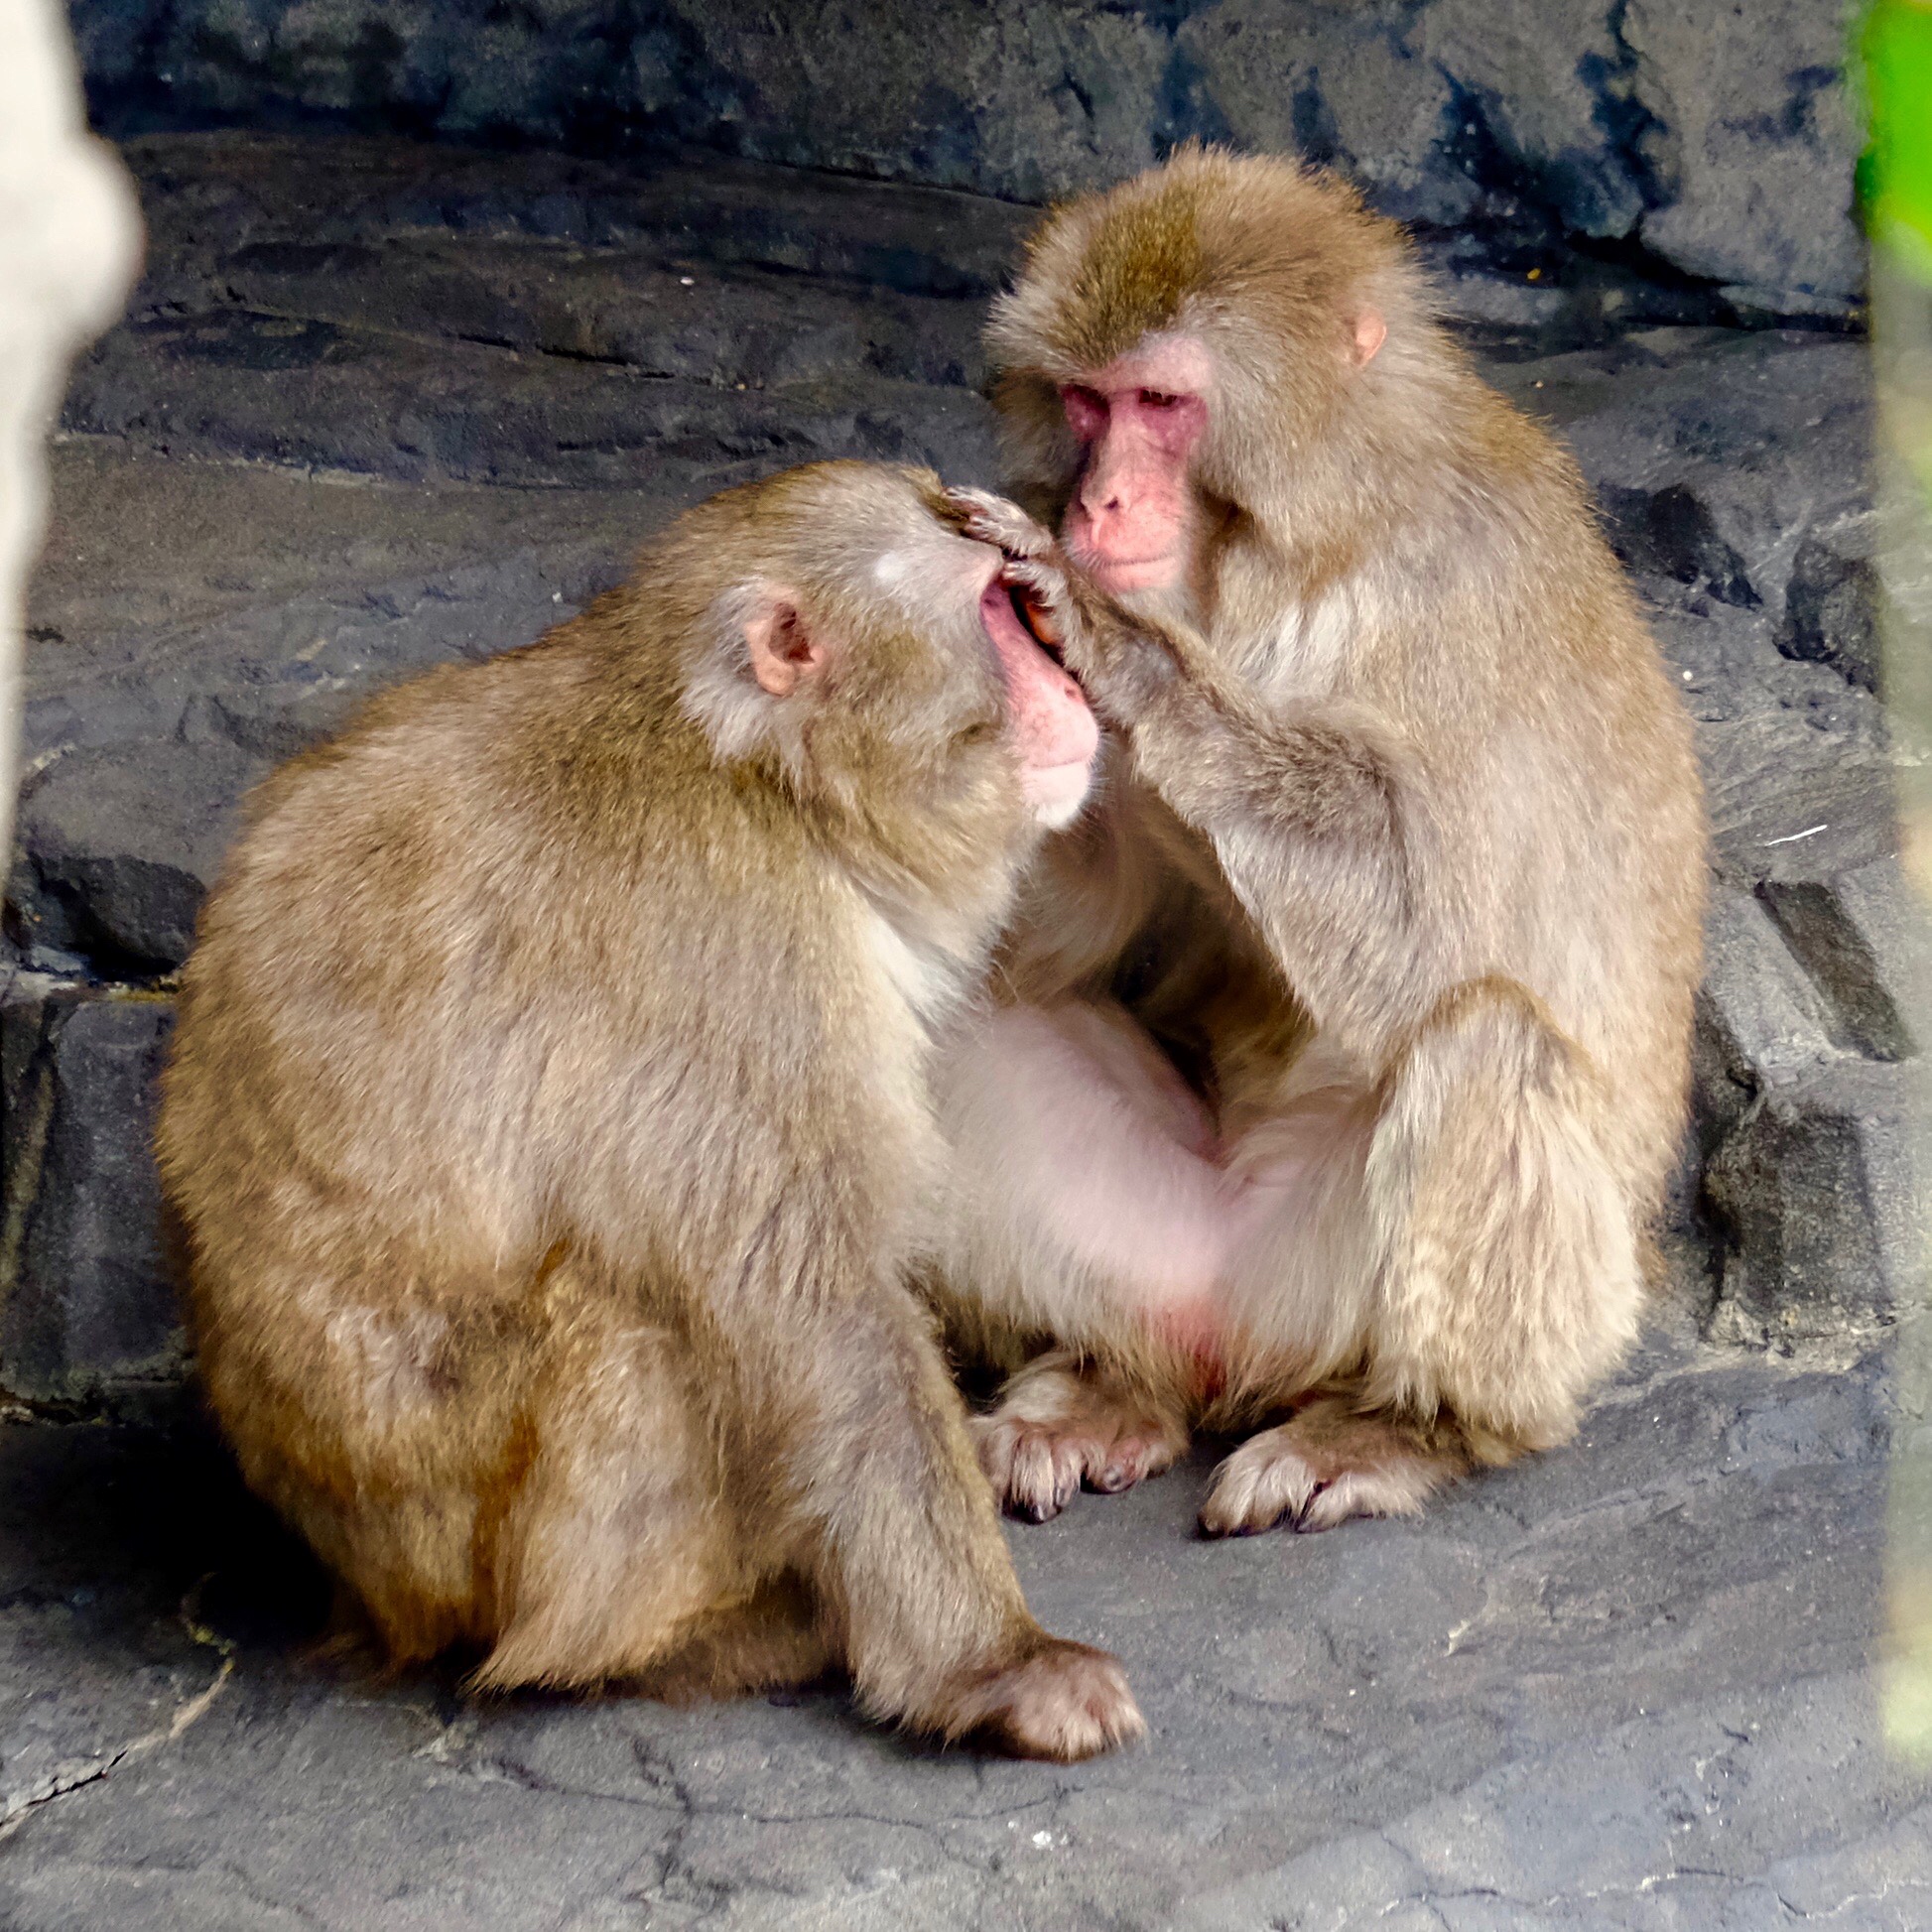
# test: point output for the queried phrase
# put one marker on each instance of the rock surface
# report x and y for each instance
(379, 407)
(1623, 1688)
(1713, 141)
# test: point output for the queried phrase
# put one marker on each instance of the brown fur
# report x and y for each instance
(549, 1116)
(1402, 857)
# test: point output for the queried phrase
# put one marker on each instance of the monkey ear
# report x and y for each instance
(784, 654)
(1369, 335)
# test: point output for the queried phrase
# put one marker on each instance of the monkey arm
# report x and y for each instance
(1314, 817)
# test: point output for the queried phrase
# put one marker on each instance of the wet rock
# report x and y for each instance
(1814, 923)
(120, 846)
(1750, 139)
(1818, 1184)
(1632, 1672)
(1814, 1115)
(1831, 613)
(1669, 533)
(1765, 1014)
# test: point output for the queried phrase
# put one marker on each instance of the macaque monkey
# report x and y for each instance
(1346, 1051)
(550, 1118)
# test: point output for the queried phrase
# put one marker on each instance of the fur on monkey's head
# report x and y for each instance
(1270, 265)
(839, 634)
(1206, 232)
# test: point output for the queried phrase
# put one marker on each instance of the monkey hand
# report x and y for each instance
(996, 520)
(1126, 667)
(1120, 665)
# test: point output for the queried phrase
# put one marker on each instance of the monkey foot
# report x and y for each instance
(1324, 1466)
(1065, 1702)
(1058, 1426)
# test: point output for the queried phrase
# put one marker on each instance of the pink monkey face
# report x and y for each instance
(1130, 522)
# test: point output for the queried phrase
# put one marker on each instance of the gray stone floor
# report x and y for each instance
(1626, 1686)
(376, 407)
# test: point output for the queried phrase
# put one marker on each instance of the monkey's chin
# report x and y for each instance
(1123, 577)
(1054, 793)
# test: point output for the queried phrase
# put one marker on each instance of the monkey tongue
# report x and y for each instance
(1050, 721)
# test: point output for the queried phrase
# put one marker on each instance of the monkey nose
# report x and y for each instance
(1109, 522)
(1103, 499)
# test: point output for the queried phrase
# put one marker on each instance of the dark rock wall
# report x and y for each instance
(379, 405)
(1708, 140)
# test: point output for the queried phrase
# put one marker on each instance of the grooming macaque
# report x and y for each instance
(550, 1120)
(1347, 1043)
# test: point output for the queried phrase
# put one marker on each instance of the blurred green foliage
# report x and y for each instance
(1894, 57)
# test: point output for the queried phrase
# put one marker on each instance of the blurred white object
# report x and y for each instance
(70, 244)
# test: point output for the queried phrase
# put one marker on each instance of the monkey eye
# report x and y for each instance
(1157, 399)
(1085, 409)
(981, 731)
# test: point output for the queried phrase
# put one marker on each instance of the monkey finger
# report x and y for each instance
(995, 520)
(1038, 614)
(1047, 604)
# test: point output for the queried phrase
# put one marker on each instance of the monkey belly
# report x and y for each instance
(1090, 1202)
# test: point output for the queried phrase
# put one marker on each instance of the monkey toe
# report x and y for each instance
(1067, 1702)
(1060, 1425)
(1321, 1469)
(1035, 1472)
(1391, 1491)
(1134, 1459)
(1262, 1485)
(1037, 1467)
(1046, 1472)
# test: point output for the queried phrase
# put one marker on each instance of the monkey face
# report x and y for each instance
(885, 659)
(1137, 420)
(1182, 352)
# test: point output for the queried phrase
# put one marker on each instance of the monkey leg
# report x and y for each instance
(1087, 1204)
(1496, 1278)
(903, 1544)
(1060, 1422)
(1083, 1196)
(770, 1640)
(608, 1544)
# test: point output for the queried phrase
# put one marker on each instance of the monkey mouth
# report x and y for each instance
(1033, 618)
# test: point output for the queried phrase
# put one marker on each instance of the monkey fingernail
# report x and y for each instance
(1218, 1532)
